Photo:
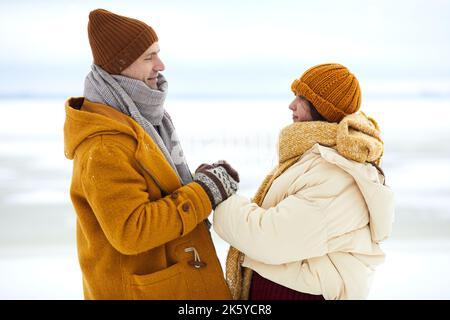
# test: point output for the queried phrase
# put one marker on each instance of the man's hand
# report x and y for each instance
(219, 181)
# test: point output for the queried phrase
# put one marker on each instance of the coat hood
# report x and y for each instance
(80, 125)
(378, 197)
(358, 142)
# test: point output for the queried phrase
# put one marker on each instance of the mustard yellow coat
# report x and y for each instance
(136, 223)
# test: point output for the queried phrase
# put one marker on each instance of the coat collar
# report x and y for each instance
(109, 120)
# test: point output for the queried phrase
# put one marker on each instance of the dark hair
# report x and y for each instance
(315, 115)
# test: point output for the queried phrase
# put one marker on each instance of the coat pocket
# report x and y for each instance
(166, 284)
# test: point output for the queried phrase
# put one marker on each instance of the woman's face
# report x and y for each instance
(300, 109)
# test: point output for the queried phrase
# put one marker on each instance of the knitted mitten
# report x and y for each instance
(219, 181)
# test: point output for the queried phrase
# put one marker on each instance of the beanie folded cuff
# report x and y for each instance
(325, 108)
(131, 52)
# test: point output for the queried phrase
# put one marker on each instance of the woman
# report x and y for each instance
(313, 228)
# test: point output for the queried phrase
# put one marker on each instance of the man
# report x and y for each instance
(142, 228)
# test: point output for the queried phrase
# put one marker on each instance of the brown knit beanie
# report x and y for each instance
(117, 41)
(331, 88)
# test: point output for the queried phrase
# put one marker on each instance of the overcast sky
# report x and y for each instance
(233, 46)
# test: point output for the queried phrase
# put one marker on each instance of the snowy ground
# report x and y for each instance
(38, 257)
(413, 270)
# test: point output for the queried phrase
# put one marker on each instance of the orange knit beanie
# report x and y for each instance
(331, 88)
(117, 41)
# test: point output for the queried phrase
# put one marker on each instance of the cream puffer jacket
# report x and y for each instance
(319, 227)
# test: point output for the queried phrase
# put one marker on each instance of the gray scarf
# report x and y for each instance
(145, 105)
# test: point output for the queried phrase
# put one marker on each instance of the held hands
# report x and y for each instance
(219, 181)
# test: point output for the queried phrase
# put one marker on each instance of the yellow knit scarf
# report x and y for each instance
(356, 137)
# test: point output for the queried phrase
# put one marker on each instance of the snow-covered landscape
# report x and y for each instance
(38, 258)
(229, 65)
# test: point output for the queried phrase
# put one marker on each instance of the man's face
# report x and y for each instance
(146, 67)
(300, 110)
